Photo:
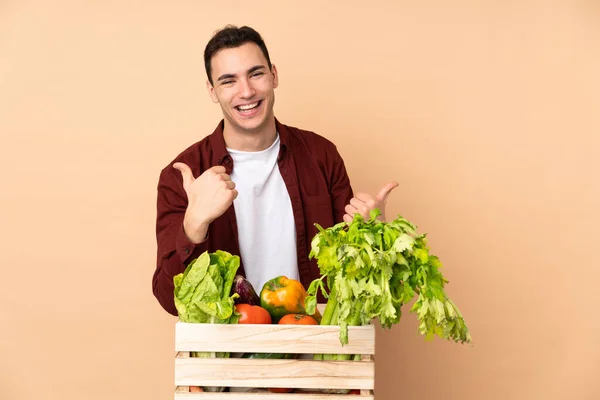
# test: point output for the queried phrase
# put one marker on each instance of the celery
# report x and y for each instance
(373, 268)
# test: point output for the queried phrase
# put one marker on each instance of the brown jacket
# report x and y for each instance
(317, 183)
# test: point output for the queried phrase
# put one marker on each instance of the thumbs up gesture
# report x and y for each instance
(209, 196)
(363, 203)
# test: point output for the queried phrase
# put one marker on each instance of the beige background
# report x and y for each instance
(487, 114)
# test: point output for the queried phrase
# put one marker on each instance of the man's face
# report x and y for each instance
(244, 87)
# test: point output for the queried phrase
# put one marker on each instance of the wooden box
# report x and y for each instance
(303, 373)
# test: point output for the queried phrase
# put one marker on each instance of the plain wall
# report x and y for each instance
(485, 112)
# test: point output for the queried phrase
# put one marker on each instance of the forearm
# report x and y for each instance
(195, 229)
(185, 210)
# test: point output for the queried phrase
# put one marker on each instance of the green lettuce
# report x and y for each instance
(202, 291)
(202, 295)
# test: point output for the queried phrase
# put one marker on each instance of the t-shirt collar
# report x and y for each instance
(220, 155)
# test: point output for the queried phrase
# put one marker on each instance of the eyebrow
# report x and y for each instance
(251, 70)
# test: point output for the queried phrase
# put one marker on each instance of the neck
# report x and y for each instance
(250, 140)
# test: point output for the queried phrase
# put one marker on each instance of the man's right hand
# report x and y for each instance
(209, 196)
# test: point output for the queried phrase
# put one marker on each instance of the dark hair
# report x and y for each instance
(230, 37)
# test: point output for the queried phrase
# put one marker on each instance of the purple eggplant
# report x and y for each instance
(244, 289)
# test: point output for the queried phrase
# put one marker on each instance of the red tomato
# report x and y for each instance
(252, 314)
(298, 319)
(280, 390)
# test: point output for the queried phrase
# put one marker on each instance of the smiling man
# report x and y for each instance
(254, 187)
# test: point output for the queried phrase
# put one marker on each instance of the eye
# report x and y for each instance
(257, 74)
(227, 82)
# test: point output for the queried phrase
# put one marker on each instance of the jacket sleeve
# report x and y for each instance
(340, 189)
(174, 250)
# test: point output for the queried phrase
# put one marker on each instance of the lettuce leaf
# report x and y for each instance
(202, 291)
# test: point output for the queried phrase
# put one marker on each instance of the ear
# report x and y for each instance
(275, 76)
(211, 92)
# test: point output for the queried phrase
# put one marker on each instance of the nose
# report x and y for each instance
(246, 89)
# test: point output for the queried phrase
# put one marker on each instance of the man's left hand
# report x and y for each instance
(363, 203)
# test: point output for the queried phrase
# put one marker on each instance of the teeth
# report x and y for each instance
(247, 106)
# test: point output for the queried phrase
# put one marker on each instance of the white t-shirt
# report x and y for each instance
(265, 221)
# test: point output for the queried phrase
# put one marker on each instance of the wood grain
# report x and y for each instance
(240, 372)
(308, 339)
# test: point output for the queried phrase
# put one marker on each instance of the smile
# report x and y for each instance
(248, 107)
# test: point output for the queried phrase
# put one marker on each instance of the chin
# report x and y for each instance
(253, 128)
(252, 125)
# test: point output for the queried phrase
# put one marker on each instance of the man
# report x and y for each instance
(254, 187)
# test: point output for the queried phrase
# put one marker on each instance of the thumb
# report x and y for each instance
(186, 173)
(384, 192)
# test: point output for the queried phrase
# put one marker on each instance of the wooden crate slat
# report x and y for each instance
(240, 372)
(307, 339)
(269, 396)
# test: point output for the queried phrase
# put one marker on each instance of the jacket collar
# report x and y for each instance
(220, 155)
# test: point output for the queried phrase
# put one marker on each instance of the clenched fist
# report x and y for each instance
(209, 196)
